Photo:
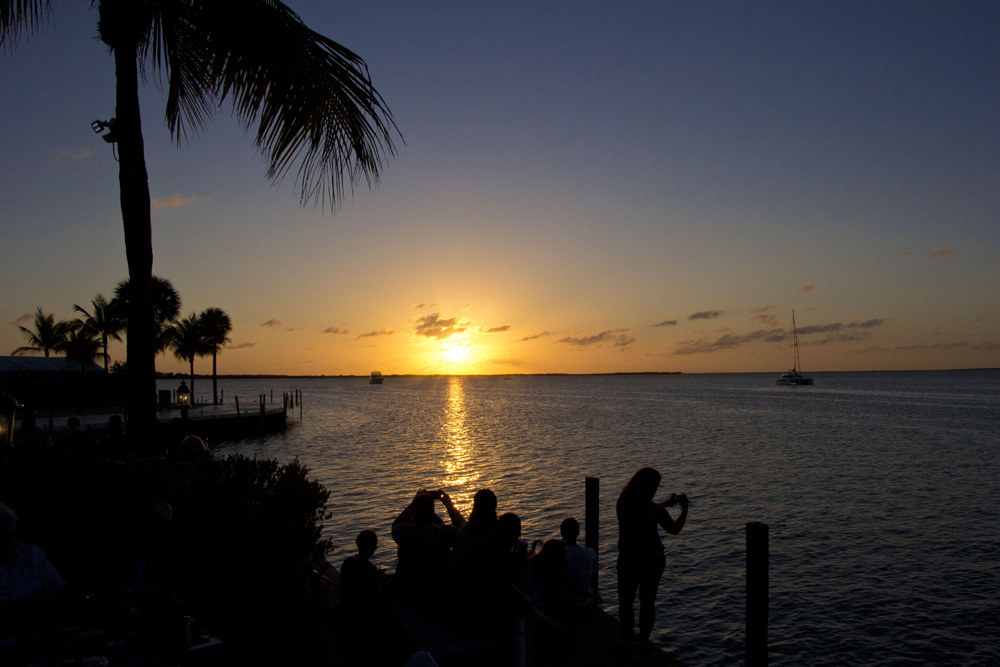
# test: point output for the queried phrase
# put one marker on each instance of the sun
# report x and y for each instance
(456, 354)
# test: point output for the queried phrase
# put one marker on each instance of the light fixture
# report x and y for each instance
(111, 126)
(183, 395)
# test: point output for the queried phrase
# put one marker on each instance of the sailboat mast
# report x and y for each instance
(795, 345)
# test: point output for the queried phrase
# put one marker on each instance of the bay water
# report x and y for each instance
(880, 491)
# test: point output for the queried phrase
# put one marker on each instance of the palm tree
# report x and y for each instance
(104, 321)
(48, 335)
(82, 346)
(311, 99)
(188, 341)
(166, 309)
(215, 325)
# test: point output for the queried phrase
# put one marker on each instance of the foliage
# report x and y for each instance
(104, 320)
(246, 531)
(166, 303)
(48, 335)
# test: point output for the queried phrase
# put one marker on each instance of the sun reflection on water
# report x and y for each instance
(459, 448)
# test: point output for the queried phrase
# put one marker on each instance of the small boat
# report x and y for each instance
(375, 378)
(793, 377)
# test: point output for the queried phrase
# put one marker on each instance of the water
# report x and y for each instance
(880, 491)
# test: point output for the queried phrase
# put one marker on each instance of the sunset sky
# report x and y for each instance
(580, 187)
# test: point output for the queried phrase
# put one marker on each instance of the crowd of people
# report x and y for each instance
(481, 566)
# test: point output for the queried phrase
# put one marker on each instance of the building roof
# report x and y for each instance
(44, 365)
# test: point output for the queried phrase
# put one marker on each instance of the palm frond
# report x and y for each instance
(311, 99)
(18, 17)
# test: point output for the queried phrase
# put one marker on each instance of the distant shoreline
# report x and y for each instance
(264, 376)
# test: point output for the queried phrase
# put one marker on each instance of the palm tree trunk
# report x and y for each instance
(191, 360)
(215, 380)
(134, 195)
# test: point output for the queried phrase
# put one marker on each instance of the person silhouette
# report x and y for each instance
(424, 544)
(581, 563)
(641, 559)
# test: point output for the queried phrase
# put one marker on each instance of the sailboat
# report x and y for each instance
(793, 376)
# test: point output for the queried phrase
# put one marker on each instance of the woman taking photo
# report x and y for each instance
(641, 559)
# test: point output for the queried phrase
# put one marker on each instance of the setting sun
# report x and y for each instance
(456, 354)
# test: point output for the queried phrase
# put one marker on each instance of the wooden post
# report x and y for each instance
(592, 519)
(757, 584)
(237, 399)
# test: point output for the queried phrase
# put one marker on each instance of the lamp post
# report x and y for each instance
(184, 403)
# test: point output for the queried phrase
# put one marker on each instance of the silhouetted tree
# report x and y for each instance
(215, 325)
(105, 321)
(82, 346)
(188, 341)
(48, 335)
(311, 99)
(166, 308)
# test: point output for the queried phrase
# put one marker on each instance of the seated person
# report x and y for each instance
(424, 543)
(581, 564)
(360, 580)
(27, 579)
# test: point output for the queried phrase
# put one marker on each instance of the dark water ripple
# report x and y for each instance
(880, 491)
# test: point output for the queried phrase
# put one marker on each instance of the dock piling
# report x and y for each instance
(757, 603)
(592, 518)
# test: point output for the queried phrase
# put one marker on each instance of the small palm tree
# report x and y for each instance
(166, 308)
(48, 335)
(215, 325)
(82, 346)
(188, 341)
(105, 321)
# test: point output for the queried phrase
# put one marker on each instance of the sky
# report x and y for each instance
(580, 187)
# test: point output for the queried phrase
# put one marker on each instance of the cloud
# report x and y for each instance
(616, 337)
(335, 330)
(730, 341)
(241, 346)
(500, 329)
(172, 202)
(535, 337)
(271, 323)
(25, 319)
(665, 323)
(380, 332)
(765, 319)
(67, 155)
(761, 309)
(837, 326)
(806, 288)
(943, 252)
(432, 326)
(987, 346)
(706, 315)
(422, 304)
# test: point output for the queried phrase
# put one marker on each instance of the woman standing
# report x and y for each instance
(641, 559)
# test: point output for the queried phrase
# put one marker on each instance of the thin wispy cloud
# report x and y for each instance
(271, 323)
(173, 202)
(379, 332)
(665, 323)
(765, 319)
(837, 326)
(241, 346)
(499, 329)
(68, 155)
(335, 330)
(943, 252)
(535, 337)
(806, 288)
(729, 341)
(616, 337)
(433, 326)
(25, 319)
(761, 309)
(706, 315)
(422, 304)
